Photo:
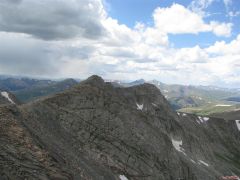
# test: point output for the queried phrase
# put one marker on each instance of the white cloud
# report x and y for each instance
(192, 55)
(221, 29)
(122, 52)
(199, 6)
(179, 20)
(119, 34)
(233, 14)
(223, 48)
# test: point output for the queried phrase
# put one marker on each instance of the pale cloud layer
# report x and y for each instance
(69, 39)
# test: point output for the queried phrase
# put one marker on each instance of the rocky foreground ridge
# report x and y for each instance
(97, 131)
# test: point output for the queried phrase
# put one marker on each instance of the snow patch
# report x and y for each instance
(205, 118)
(238, 124)
(139, 106)
(154, 104)
(204, 163)
(178, 113)
(184, 114)
(202, 119)
(6, 95)
(177, 145)
(193, 161)
(199, 122)
(122, 177)
(223, 105)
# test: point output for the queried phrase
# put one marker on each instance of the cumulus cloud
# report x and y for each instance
(178, 20)
(91, 42)
(221, 47)
(192, 55)
(52, 20)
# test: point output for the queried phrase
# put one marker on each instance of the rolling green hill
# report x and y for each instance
(210, 109)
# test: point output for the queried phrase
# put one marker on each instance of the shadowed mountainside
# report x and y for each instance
(97, 131)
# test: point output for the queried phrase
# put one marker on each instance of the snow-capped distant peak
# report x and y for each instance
(6, 95)
(139, 106)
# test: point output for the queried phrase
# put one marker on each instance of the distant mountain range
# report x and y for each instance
(202, 100)
(37, 91)
(26, 89)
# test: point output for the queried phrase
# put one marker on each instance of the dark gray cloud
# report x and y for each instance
(52, 19)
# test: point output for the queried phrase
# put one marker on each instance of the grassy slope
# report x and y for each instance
(210, 109)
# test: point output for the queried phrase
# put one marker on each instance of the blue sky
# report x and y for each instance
(183, 42)
(132, 11)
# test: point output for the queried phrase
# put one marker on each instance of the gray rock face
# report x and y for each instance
(97, 131)
(21, 155)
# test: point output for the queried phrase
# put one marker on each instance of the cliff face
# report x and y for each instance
(97, 131)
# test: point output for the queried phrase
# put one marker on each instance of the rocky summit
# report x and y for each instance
(97, 131)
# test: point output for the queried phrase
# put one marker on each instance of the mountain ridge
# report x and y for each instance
(97, 131)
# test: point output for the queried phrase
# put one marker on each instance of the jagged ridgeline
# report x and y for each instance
(97, 131)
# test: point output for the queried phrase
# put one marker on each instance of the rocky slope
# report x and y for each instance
(97, 131)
